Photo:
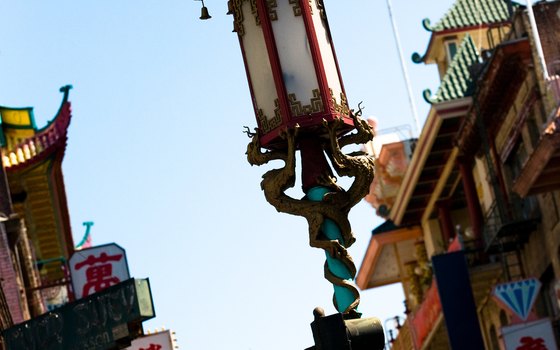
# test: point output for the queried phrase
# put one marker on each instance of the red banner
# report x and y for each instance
(424, 319)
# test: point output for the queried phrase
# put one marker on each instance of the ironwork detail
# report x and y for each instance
(298, 109)
(335, 205)
(267, 124)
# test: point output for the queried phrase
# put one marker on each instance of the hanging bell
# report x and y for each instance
(204, 13)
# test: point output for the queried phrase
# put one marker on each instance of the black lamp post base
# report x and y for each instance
(335, 333)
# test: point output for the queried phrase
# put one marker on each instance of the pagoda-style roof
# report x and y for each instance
(467, 16)
(435, 150)
(469, 13)
(23, 144)
(32, 158)
(458, 81)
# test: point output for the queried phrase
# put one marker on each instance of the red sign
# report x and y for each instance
(425, 318)
(152, 347)
(97, 268)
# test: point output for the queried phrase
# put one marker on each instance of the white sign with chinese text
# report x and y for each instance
(156, 341)
(536, 335)
(96, 268)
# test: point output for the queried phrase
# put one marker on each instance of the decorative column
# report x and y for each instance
(445, 221)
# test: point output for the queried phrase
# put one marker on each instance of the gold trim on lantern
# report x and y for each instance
(271, 5)
(321, 8)
(266, 124)
(238, 18)
(298, 109)
(343, 107)
(297, 9)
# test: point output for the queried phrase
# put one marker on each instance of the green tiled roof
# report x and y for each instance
(468, 13)
(458, 81)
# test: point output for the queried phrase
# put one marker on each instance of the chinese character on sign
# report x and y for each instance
(152, 347)
(530, 343)
(99, 274)
(96, 268)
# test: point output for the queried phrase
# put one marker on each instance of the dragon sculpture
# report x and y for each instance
(335, 204)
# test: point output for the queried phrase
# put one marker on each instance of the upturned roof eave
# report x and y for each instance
(66, 91)
(427, 57)
(54, 132)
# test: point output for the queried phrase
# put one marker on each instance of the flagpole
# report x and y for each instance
(538, 45)
(403, 67)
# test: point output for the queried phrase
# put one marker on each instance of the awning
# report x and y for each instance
(386, 255)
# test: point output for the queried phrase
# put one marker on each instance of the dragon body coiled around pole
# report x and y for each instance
(335, 203)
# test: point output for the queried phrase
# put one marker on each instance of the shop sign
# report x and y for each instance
(98, 322)
(156, 341)
(519, 296)
(94, 269)
(536, 335)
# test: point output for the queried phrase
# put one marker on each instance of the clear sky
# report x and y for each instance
(156, 153)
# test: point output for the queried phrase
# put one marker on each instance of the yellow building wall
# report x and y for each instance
(17, 125)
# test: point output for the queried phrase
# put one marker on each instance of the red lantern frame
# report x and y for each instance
(311, 122)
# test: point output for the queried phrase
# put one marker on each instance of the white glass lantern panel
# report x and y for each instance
(327, 53)
(258, 63)
(294, 53)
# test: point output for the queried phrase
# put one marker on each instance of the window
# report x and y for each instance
(451, 50)
(451, 44)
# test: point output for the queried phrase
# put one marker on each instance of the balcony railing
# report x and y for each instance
(507, 227)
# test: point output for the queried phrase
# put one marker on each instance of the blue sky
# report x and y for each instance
(156, 153)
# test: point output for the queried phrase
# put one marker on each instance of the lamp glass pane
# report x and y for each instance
(327, 53)
(258, 64)
(295, 57)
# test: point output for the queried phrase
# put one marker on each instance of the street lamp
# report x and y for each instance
(300, 106)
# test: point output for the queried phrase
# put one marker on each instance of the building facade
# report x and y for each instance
(478, 205)
(35, 235)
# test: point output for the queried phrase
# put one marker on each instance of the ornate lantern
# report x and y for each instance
(300, 105)
(291, 66)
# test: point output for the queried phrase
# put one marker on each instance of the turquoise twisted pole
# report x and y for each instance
(344, 297)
